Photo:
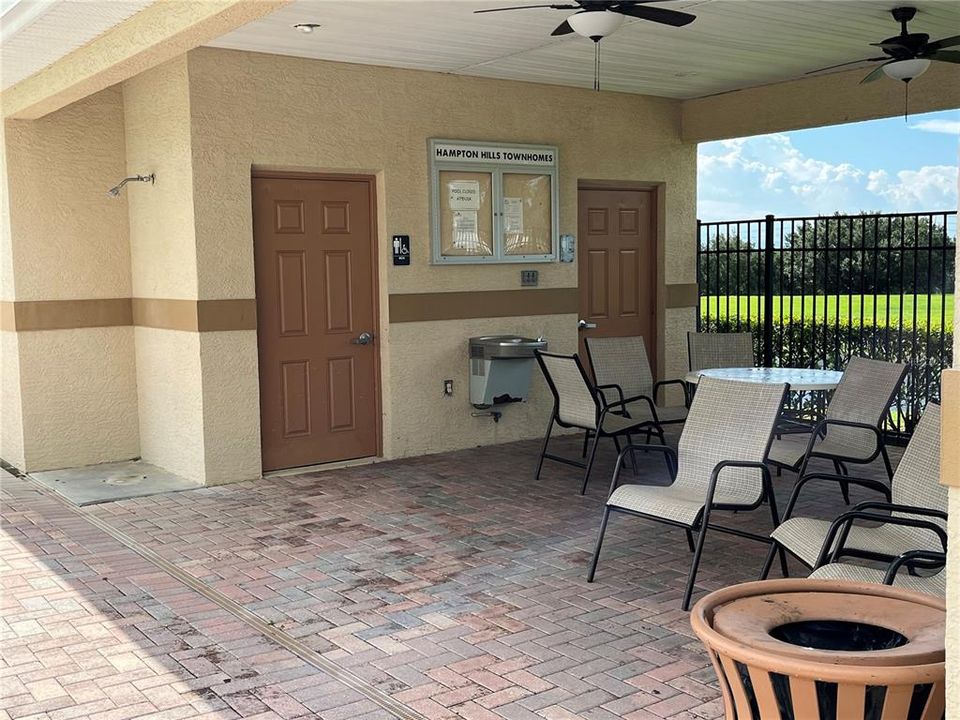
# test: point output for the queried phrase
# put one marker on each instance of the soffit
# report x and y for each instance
(37, 33)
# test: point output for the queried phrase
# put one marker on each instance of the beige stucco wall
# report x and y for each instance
(11, 418)
(71, 238)
(69, 395)
(164, 266)
(278, 112)
(79, 396)
(157, 127)
(951, 434)
(11, 413)
(231, 406)
(953, 605)
(814, 102)
(171, 400)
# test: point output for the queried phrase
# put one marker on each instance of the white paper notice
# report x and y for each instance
(464, 194)
(465, 230)
(513, 215)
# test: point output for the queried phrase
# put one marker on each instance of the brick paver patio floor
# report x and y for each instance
(453, 584)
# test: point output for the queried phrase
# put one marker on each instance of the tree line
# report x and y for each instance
(861, 254)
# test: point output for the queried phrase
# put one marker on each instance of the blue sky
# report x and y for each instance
(881, 165)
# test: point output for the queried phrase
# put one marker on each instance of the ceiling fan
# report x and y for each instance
(592, 15)
(595, 19)
(906, 55)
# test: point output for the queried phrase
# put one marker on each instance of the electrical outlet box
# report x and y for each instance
(529, 278)
(448, 387)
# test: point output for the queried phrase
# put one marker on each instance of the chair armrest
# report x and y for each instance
(807, 478)
(820, 430)
(842, 524)
(623, 402)
(936, 559)
(665, 449)
(681, 383)
(724, 464)
(893, 507)
(609, 386)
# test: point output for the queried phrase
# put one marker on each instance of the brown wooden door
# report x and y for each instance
(314, 252)
(617, 265)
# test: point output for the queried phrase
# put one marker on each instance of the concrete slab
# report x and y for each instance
(95, 484)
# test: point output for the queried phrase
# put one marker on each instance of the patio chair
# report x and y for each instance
(621, 370)
(577, 404)
(915, 500)
(934, 584)
(850, 433)
(720, 350)
(720, 465)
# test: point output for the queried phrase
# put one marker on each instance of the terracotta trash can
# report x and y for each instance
(798, 649)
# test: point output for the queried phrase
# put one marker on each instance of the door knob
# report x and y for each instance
(363, 338)
(584, 325)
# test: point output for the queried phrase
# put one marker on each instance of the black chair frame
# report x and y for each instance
(602, 408)
(702, 522)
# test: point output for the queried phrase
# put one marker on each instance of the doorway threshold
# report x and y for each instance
(337, 465)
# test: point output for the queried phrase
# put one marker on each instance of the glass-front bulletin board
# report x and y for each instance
(493, 202)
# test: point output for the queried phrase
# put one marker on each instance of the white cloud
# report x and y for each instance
(948, 127)
(931, 187)
(771, 170)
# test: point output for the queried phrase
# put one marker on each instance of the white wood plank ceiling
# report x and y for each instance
(36, 33)
(733, 43)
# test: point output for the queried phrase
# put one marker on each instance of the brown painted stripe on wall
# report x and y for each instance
(418, 307)
(681, 295)
(214, 315)
(163, 313)
(67, 314)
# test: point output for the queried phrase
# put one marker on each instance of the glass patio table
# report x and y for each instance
(799, 379)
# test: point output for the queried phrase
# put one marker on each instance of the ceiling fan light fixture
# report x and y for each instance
(906, 70)
(595, 24)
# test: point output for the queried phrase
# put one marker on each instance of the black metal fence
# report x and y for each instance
(816, 291)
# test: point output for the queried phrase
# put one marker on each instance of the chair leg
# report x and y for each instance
(596, 552)
(543, 449)
(586, 442)
(775, 517)
(593, 455)
(689, 539)
(844, 486)
(695, 565)
(886, 462)
(768, 563)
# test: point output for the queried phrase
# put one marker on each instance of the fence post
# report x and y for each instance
(699, 278)
(768, 292)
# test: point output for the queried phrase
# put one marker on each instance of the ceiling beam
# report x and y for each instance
(811, 102)
(157, 33)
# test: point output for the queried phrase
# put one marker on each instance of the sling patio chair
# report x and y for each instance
(621, 370)
(720, 465)
(577, 404)
(933, 584)
(912, 515)
(720, 350)
(850, 433)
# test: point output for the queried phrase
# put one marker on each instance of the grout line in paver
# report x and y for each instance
(301, 650)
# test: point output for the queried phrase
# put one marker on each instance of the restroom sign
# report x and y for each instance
(492, 153)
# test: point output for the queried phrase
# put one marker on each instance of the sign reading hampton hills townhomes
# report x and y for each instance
(493, 154)
(493, 202)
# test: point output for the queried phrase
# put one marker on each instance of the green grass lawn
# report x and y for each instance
(882, 310)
